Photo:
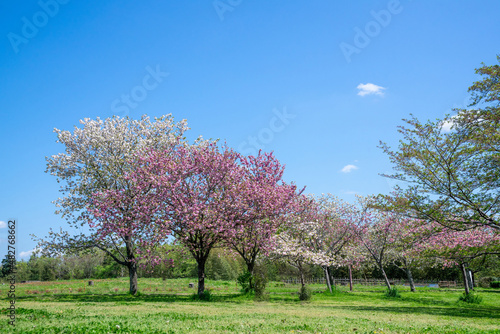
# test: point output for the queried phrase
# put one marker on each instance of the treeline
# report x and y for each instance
(220, 266)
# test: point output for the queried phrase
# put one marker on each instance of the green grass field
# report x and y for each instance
(168, 307)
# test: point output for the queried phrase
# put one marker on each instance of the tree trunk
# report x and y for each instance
(250, 268)
(327, 275)
(332, 281)
(409, 275)
(201, 275)
(132, 265)
(385, 276)
(350, 277)
(132, 273)
(471, 281)
(466, 280)
(302, 278)
(410, 279)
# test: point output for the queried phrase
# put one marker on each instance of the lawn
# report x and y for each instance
(168, 307)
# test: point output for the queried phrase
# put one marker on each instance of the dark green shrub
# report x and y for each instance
(205, 296)
(392, 293)
(137, 294)
(495, 284)
(244, 281)
(305, 293)
(471, 298)
(260, 283)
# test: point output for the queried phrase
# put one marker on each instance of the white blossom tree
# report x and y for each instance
(97, 158)
(298, 241)
(295, 247)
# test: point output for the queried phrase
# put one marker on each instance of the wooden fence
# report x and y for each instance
(370, 282)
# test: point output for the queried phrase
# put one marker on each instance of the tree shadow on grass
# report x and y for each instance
(428, 306)
(466, 312)
(425, 301)
(129, 299)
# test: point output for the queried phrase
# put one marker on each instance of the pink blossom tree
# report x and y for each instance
(408, 233)
(460, 247)
(131, 217)
(375, 232)
(99, 201)
(319, 233)
(266, 201)
(200, 189)
(353, 255)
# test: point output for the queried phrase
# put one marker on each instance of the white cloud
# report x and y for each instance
(27, 254)
(446, 125)
(370, 89)
(3, 224)
(348, 168)
(350, 192)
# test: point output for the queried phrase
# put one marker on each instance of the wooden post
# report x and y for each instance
(350, 278)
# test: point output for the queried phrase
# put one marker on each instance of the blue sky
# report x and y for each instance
(320, 83)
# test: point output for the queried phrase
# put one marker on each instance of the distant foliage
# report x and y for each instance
(7, 266)
(222, 266)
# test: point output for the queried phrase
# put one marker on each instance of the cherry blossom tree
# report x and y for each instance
(266, 202)
(387, 236)
(93, 170)
(334, 230)
(460, 247)
(352, 255)
(374, 232)
(294, 247)
(296, 242)
(321, 232)
(201, 190)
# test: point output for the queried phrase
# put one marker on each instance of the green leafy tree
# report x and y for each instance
(451, 166)
(22, 271)
(7, 265)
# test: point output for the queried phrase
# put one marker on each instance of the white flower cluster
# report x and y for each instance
(99, 154)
